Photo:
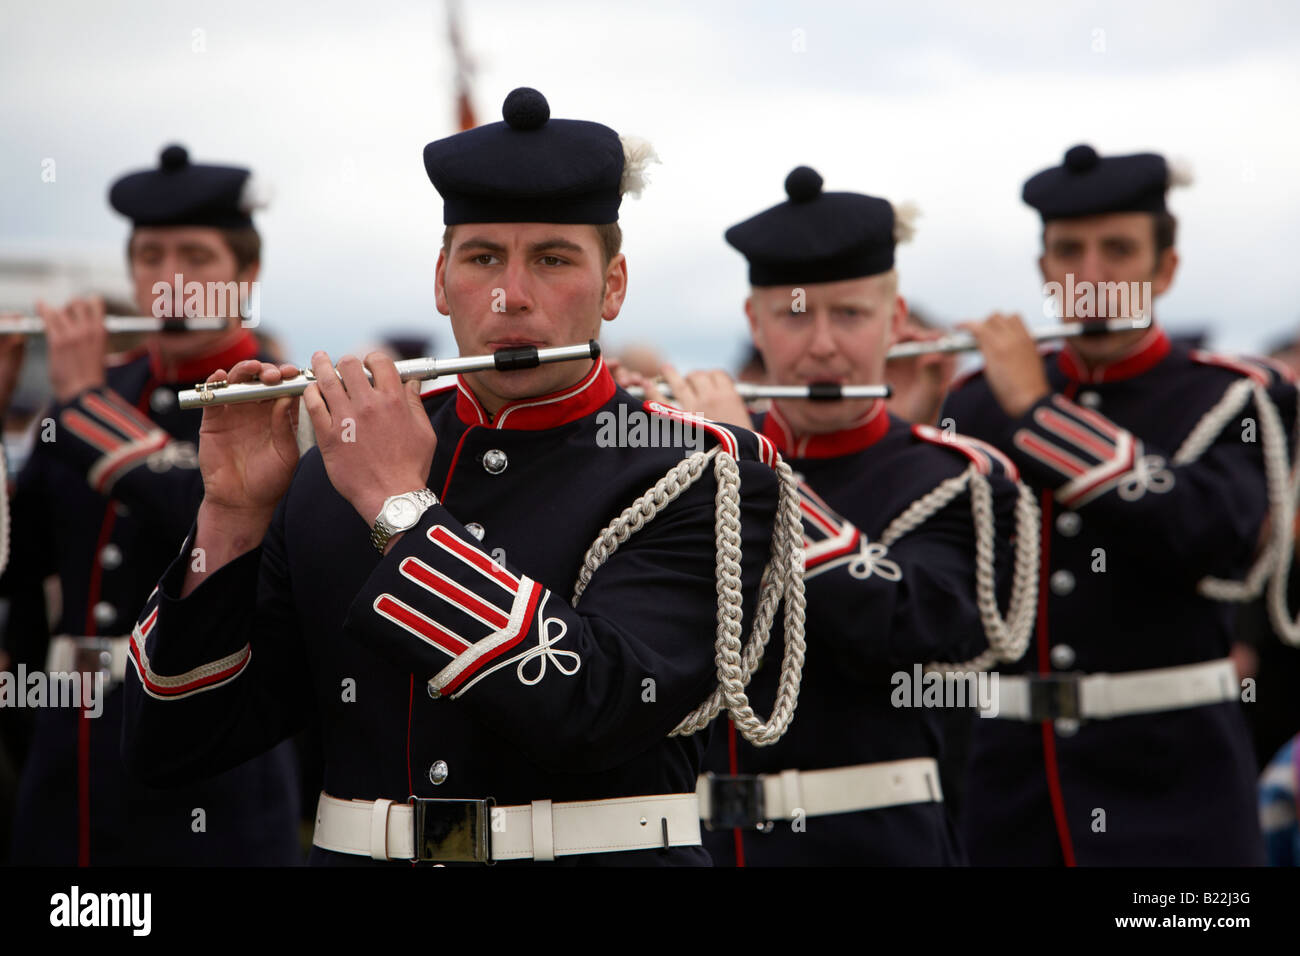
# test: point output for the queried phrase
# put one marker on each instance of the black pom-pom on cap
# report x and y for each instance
(1081, 158)
(173, 158)
(525, 109)
(804, 184)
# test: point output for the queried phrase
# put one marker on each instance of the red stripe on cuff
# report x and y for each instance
(439, 534)
(1066, 464)
(422, 626)
(1065, 428)
(115, 399)
(1099, 422)
(177, 690)
(89, 432)
(128, 424)
(454, 594)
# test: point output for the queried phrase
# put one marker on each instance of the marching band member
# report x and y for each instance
(890, 552)
(1120, 738)
(496, 650)
(109, 492)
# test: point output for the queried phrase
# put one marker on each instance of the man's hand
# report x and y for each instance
(1012, 365)
(711, 394)
(919, 384)
(77, 343)
(247, 454)
(376, 440)
(627, 378)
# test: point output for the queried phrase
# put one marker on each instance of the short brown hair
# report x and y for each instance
(1166, 231)
(610, 235)
(244, 243)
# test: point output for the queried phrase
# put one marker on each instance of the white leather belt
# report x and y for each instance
(70, 654)
(453, 830)
(1099, 696)
(867, 786)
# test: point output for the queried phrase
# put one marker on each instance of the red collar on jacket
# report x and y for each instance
(1145, 354)
(226, 353)
(542, 411)
(868, 430)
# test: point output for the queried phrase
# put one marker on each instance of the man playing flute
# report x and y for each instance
(420, 585)
(1120, 739)
(106, 497)
(890, 552)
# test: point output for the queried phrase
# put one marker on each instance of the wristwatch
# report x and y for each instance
(399, 513)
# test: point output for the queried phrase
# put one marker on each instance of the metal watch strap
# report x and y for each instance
(382, 531)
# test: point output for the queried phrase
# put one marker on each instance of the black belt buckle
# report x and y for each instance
(452, 831)
(735, 801)
(1054, 697)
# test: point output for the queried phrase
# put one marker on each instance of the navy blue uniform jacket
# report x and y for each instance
(460, 645)
(1127, 535)
(105, 505)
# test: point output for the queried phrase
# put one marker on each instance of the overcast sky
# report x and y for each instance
(934, 102)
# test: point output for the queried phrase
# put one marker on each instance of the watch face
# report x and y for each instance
(401, 513)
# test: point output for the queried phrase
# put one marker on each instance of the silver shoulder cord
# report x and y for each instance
(1272, 567)
(782, 581)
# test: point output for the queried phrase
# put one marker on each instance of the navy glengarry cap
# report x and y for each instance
(1086, 184)
(816, 236)
(529, 168)
(181, 193)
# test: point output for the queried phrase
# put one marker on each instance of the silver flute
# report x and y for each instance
(818, 391)
(956, 342)
(33, 325)
(965, 342)
(225, 393)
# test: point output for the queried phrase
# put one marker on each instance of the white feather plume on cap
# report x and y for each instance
(637, 155)
(1180, 172)
(905, 216)
(256, 194)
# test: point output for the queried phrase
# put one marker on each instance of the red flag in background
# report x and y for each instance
(465, 111)
(464, 68)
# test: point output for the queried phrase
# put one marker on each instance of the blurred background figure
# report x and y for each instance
(1279, 805)
(1274, 715)
(106, 494)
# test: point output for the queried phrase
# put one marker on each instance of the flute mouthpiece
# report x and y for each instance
(509, 360)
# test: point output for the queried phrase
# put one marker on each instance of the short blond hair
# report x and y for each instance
(891, 281)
